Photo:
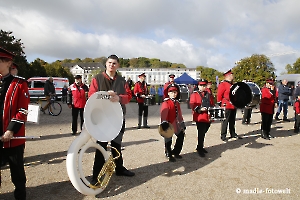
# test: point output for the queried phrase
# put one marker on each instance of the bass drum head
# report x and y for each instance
(103, 119)
(240, 94)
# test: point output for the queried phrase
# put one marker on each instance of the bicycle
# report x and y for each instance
(54, 107)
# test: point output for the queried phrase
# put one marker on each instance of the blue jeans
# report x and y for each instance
(282, 104)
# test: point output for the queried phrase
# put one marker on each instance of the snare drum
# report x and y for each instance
(147, 101)
(217, 113)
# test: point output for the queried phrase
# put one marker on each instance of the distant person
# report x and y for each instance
(141, 92)
(283, 97)
(76, 99)
(267, 105)
(160, 93)
(64, 92)
(208, 87)
(129, 82)
(292, 97)
(297, 115)
(49, 91)
(153, 94)
(171, 81)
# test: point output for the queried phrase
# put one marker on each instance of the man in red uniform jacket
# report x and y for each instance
(141, 91)
(297, 114)
(200, 102)
(171, 81)
(76, 100)
(267, 105)
(105, 81)
(230, 112)
(14, 99)
(170, 112)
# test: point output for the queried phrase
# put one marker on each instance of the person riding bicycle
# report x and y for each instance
(49, 90)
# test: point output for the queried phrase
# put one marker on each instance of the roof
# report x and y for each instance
(91, 65)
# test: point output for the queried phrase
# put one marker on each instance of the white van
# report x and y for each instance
(36, 86)
(291, 78)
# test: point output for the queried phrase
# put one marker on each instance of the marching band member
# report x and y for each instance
(171, 113)
(14, 100)
(107, 81)
(200, 102)
(208, 87)
(171, 81)
(230, 112)
(141, 91)
(267, 105)
(297, 114)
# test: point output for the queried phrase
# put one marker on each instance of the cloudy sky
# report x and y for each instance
(210, 33)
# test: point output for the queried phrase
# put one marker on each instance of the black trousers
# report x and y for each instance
(247, 115)
(297, 123)
(229, 119)
(75, 112)
(266, 122)
(178, 144)
(99, 159)
(202, 128)
(143, 110)
(15, 158)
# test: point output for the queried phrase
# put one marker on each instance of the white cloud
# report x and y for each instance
(212, 33)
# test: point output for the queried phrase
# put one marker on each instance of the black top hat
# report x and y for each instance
(77, 77)
(6, 54)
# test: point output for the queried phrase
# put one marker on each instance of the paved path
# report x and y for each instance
(231, 170)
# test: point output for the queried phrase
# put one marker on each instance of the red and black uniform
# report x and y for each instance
(297, 115)
(140, 88)
(14, 100)
(171, 112)
(199, 100)
(102, 82)
(230, 112)
(267, 105)
(77, 98)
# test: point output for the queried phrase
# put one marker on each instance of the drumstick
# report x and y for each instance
(26, 137)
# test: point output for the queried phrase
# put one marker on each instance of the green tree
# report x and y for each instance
(87, 60)
(10, 43)
(176, 65)
(124, 63)
(256, 68)
(155, 63)
(36, 68)
(295, 69)
(143, 62)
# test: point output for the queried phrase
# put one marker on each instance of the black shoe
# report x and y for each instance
(204, 151)
(125, 172)
(277, 118)
(74, 133)
(236, 136)
(94, 182)
(146, 126)
(286, 120)
(177, 156)
(270, 136)
(201, 154)
(138, 127)
(296, 131)
(223, 138)
(244, 123)
(172, 159)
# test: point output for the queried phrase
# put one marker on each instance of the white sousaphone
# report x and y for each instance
(103, 121)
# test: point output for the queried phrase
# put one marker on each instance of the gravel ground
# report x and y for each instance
(251, 168)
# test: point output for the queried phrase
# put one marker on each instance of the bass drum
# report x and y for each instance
(244, 94)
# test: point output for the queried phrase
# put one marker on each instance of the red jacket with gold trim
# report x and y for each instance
(140, 89)
(267, 102)
(15, 111)
(168, 112)
(196, 101)
(223, 95)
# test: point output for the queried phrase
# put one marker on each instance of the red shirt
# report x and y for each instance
(297, 107)
(267, 102)
(223, 94)
(196, 101)
(170, 111)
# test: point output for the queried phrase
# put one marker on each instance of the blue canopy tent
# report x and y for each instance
(185, 79)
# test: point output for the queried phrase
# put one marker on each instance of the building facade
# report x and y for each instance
(154, 76)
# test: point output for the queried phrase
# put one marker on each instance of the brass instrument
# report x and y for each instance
(106, 172)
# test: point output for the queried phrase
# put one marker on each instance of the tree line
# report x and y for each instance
(256, 68)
